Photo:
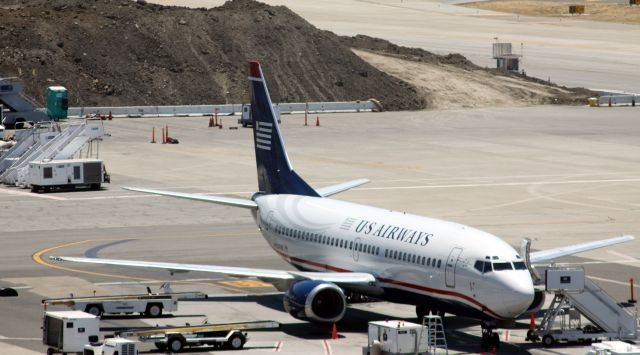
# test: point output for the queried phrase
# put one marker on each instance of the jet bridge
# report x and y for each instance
(577, 295)
(20, 107)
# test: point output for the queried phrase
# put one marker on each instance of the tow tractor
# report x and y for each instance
(175, 339)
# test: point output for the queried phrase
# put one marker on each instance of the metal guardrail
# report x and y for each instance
(229, 109)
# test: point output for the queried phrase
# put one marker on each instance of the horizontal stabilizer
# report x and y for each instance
(229, 201)
(334, 189)
(545, 255)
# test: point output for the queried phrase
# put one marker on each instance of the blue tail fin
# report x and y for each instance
(275, 175)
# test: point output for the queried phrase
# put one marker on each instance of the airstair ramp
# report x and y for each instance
(592, 301)
(37, 142)
(45, 150)
(11, 95)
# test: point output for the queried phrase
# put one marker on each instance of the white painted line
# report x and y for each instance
(278, 346)
(327, 347)
(21, 287)
(613, 281)
(566, 182)
(108, 197)
(2, 337)
(625, 258)
(30, 194)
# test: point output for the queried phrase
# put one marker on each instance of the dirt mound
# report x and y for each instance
(122, 52)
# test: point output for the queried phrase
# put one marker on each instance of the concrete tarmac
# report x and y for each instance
(558, 175)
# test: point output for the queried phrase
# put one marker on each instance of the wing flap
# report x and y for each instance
(229, 201)
(545, 255)
(334, 189)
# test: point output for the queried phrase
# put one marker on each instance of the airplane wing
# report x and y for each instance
(334, 189)
(270, 275)
(545, 255)
(229, 201)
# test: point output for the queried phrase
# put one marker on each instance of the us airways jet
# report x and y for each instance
(340, 247)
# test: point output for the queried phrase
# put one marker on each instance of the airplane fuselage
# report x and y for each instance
(416, 260)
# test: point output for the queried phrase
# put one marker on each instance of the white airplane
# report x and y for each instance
(340, 247)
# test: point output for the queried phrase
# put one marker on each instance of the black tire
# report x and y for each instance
(154, 310)
(95, 186)
(160, 346)
(50, 351)
(548, 340)
(244, 124)
(175, 344)
(94, 309)
(236, 342)
(495, 340)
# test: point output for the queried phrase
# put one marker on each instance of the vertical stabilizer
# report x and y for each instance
(275, 175)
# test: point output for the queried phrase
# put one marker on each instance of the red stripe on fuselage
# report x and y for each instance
(394, 282)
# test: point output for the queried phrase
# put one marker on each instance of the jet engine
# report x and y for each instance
(316, 301)
(538, 301)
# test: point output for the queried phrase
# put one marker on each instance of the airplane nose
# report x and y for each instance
(519, 296)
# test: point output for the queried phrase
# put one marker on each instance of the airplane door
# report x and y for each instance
(450, 268)
(356, 253)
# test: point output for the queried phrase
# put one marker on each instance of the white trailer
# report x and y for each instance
(44, 175)
(69, 331)
(397, 337)
(112, 346)
(150, 305)
(245, 115)
(175, 339)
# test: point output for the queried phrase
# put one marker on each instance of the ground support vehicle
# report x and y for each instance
(69, 331)
(150, 305)
(69, 173)
(175, 339)
(112, 346)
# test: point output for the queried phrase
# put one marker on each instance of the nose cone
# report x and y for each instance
(519, 294)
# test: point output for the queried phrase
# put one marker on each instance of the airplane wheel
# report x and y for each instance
(94, 309)
(235, 342)
(176, 344)
(548, 340)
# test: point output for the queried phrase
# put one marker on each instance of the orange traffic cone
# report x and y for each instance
(153, 135)
(532, 322)
(211, 121)
(334, 332)
(317, 121)
(110, 116)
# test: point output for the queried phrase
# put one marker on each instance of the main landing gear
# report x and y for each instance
(490, 340)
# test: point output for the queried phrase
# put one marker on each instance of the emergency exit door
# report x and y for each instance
(450, 268)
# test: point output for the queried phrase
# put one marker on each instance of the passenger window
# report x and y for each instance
(404, 256)
(413, 259)
(423, 260)
(433, 262)
(350, 245)
(395, 254)
(377, 250)
(439, 263)
(341, 241)
(428, 261)
(386, 251)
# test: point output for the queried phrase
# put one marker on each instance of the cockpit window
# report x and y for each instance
(482, 266)
(500, 266)
(519, 265)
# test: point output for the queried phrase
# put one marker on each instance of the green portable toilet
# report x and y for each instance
(57, 102)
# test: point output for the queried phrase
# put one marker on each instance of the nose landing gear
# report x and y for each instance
(490, 340)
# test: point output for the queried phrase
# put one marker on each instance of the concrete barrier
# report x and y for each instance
(229, 109)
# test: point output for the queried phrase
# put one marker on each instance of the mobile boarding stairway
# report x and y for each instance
(48, 146)
(577, 295)
(21, 107)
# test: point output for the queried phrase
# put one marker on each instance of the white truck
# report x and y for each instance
(112, 346)
(48, 174)
(245, 116)
(150, 304)
(68, 331)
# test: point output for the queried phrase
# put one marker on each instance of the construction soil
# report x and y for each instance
(452, 81)
(117, 53)
(594, 10)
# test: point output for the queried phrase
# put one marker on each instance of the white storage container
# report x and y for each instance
(69, 331)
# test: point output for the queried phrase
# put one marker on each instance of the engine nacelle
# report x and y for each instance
(538, 301)
(316, 301)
